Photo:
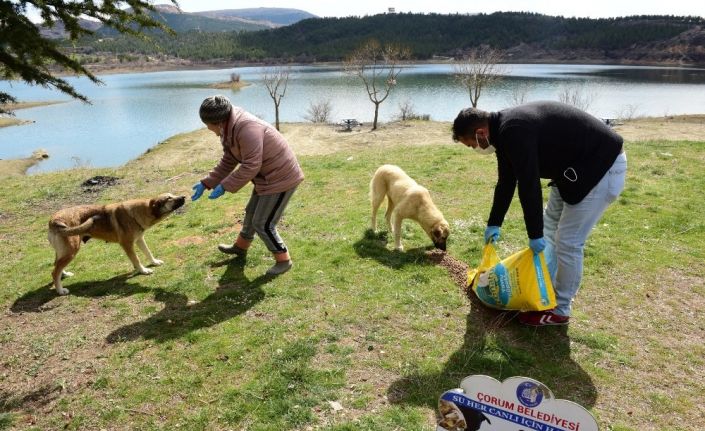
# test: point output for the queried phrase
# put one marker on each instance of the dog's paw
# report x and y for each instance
(144, 271)
(66, 274)
(157, 262)
(62, 291)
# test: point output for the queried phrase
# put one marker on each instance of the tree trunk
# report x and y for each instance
(374, 123)
(276, 116)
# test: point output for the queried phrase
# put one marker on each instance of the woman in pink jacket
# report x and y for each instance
(262, 156)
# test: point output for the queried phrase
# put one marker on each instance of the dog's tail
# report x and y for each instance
(62, 229)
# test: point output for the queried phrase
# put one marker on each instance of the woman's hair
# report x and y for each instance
(215, 109)
(467, 121)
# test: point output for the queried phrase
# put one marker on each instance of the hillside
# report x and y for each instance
(182, 22)
(273, 17)
(234, 20)
(58, 31)
(525, 37)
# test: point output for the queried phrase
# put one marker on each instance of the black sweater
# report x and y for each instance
(547, 140)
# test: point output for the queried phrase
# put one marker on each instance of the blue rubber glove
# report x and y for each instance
(217, 192)
(491, 234)
(537, 245)
(199, 189)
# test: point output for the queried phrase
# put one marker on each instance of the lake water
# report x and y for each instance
(133, 112)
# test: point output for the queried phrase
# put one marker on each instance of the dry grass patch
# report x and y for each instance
(669, 128)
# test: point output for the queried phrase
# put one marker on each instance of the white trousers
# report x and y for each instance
(566, 228)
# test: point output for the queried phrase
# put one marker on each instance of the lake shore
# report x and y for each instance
(173, 65)
(312, 139)
(7, 121)
(308, 139)
(14, 167)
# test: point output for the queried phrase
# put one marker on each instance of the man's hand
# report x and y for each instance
(491, 234)
(198, 188)
(217, 192)
(537, 245)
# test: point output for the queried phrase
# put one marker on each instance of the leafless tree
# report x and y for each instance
(480, 69)
(407, 111)
(520, 93)
(576, 95)
(276, 80)
(319, 111)
(378, 67)
(628, 112)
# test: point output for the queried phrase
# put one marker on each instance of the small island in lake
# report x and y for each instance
(235, 83)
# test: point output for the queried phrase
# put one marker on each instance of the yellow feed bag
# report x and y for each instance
(520, 282)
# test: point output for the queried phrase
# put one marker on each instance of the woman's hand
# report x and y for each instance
(198, 188)
(217, 192)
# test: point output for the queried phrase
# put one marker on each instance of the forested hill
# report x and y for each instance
(521, 34)
(524, 37)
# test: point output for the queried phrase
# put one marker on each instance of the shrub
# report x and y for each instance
(319, 111)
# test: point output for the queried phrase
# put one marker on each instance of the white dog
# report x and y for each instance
(406, 199)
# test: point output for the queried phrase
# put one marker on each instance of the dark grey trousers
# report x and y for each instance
(262, 214)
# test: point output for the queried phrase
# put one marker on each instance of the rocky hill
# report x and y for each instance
(251, 19)
(272, 17)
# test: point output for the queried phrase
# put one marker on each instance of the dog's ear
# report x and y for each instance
(155, 206)
(437, 232)
(440, 231)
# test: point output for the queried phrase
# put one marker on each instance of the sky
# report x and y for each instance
(567, 8)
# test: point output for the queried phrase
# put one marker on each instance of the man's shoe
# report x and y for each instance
(280, 267)
(542, 318)
(232, 249)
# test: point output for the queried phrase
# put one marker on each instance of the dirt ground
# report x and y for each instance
(313, 139)
(671, 128)
(319, 139)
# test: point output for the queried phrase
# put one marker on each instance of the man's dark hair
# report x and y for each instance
(467, 121)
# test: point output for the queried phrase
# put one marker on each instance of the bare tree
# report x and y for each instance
(320, 111)
(576, 95)
(482, 68)
(520, 93)
(276, 80)
(407, 111)
(627, 112)
(378, 67)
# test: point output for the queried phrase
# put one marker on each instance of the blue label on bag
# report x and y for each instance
(485, 295)
(543, 290)
(505, 287)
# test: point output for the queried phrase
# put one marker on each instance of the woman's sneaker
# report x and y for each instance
(280, 267)
(232, 249)
(542, 318)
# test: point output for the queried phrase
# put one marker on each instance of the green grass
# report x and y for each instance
(209, 343)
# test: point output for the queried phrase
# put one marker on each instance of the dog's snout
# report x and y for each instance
(440, 245)
(180, 201)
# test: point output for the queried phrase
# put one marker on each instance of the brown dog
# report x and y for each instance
(406, 199)
(124, 223)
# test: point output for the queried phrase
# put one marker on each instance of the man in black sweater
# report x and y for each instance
(586, 164)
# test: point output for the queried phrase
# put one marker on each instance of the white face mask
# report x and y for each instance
(489, 150)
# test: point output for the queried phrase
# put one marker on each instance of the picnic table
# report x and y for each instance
(611, 122)
(347, 124)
